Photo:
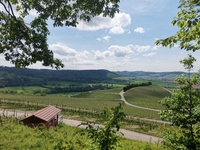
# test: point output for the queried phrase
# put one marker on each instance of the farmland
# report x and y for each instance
(148, 96)
(88, 93)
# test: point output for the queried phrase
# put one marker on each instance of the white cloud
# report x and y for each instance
(139, 30)
(141, 49)
(121, 51)
(70, 56)
(100, 22)
(62, 49)
(129, 32)
(149, 55)
(98, 39)
(101, 56)
(106, 38)
(84, 62)
(176, 45)
(116, 30)
(156, 47)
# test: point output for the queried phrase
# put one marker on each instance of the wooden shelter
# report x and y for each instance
(47, 116)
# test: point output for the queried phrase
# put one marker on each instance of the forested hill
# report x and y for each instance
(10, 76)
(150, 75)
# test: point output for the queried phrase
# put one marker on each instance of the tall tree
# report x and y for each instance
(188, 20)
(26, 43)
(182, 109)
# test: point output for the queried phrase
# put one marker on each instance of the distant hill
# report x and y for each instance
(163, 76)
(10, 76)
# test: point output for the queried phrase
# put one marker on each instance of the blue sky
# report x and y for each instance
(124, 43)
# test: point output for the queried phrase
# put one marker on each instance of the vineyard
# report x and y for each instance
(94, 100)
(148, 96)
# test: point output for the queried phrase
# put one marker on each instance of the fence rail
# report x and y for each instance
(75, 110)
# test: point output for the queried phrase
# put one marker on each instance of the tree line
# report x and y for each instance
(126, 88)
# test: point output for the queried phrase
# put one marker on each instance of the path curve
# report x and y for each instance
(123, 99)
(127, 134)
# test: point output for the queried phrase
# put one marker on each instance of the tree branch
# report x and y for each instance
(11, 10)
(6, 9)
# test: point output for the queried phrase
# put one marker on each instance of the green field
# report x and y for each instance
(93, 101)
(112, 94)
(146, 96)
(25, 89)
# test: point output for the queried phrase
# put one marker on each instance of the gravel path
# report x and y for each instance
(127, 134)
(123, 99)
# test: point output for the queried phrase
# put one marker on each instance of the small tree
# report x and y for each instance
(182, 111)
(107, 137)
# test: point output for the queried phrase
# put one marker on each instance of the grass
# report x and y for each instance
(25, 89)
(61, 137)
(146, 96)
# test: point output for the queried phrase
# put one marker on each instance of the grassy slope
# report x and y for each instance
(16, 136)
(147, 96)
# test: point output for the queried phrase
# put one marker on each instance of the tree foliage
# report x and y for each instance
(128, 87)
(188, 20)
(26, 43)
(107, 137)
(182, 111)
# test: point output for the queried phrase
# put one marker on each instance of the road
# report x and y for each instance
(127, 134)
(123, 99)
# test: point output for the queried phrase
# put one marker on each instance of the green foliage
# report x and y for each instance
(188, 20)
(182, 111)
(17, 136)
(26, 43)
(106, 138)
(135, 85)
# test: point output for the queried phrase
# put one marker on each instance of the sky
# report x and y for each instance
(123, 43)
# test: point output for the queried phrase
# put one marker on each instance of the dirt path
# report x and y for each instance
(123, 99)
(127, 134)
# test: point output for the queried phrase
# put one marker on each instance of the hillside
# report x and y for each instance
(10, 76)
(163, 76)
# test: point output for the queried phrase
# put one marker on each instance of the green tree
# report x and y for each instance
(107, 137)
(188, 20)
(182, 109)
(26, 43)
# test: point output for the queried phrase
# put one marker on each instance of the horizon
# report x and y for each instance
(124, 43)
(99, 69)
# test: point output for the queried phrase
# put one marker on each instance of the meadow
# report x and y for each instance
(147, 96)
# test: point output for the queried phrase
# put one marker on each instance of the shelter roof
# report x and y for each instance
(46, 113)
